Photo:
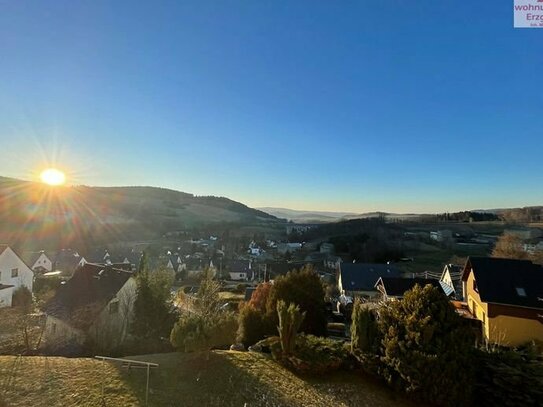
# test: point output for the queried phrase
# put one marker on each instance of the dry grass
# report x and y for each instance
(222, 379)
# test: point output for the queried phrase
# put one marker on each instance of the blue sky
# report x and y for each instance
(355, 105)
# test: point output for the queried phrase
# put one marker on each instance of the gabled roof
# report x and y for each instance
(32, 257)
(90, 289)
(3, 247)
(240, 266)
(362, 276)
(455, 272)
(507, 281)
(397, 286)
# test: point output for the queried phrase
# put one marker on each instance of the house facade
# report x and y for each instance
(14, 273)
(95, 305)
(240, 270)
(39, 261)
(507, 297)
(451, 281)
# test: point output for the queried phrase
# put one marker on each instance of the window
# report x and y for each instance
(53, 327)
(521, 292)
(14, 273)
(114, 307)
(475, 286)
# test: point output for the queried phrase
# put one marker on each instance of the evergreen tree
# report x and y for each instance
(305, 289)
(425, 345)
(153, 309)
(364, 329)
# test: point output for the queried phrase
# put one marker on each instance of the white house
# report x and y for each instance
(38, 261)
(13, 272)
(451, 280)
(240, 270)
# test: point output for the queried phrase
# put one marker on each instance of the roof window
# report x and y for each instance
(520, 291)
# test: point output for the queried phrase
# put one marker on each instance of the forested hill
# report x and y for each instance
(35, 211)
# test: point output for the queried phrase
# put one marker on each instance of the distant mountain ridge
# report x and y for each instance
(301, 216)
(529, 213)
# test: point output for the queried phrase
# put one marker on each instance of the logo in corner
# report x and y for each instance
(528, 13)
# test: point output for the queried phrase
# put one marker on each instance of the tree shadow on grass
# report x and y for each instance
(225, 378)
(214, 379)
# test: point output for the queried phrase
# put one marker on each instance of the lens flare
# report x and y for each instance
(52, 176)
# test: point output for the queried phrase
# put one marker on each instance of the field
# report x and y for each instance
(220, 378)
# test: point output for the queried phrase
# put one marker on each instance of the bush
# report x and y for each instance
(253, 326)
(22, 297)
(508, 378)
(426, 348)
(260, 296)
(305, 289)
(313, 355)
(290, 319)
(365, 336)
(194, 332)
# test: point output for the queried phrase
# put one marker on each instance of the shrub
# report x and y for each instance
(426, 348)
(314, 355)
(22, 297)
(508, 378)
(290, 319)
(207, 325)
(253, 326)
(194, 332)
(305, 289)
(260, 296)
(364, 329)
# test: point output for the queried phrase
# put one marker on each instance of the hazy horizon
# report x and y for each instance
(352, 107)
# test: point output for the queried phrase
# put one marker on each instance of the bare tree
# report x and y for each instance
(509, 246)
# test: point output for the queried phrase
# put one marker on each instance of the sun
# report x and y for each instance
(52, 176)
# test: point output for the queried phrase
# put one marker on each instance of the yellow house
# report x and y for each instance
(507, 297)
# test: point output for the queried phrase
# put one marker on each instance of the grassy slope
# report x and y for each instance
(226, 379)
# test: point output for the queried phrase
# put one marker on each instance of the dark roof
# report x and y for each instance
(362, 276)
(397, 286)
(91, 288)
(240, 266)
(66, 260)
(3, 247)
(498, 280)
(3, 286)
(99, 255)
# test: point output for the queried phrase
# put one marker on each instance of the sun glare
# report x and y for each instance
(52, 176)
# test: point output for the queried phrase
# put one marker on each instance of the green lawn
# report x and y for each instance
(225, 379)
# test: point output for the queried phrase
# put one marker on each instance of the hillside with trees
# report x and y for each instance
(32, 212)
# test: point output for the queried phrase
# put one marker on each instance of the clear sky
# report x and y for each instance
(405, 106)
